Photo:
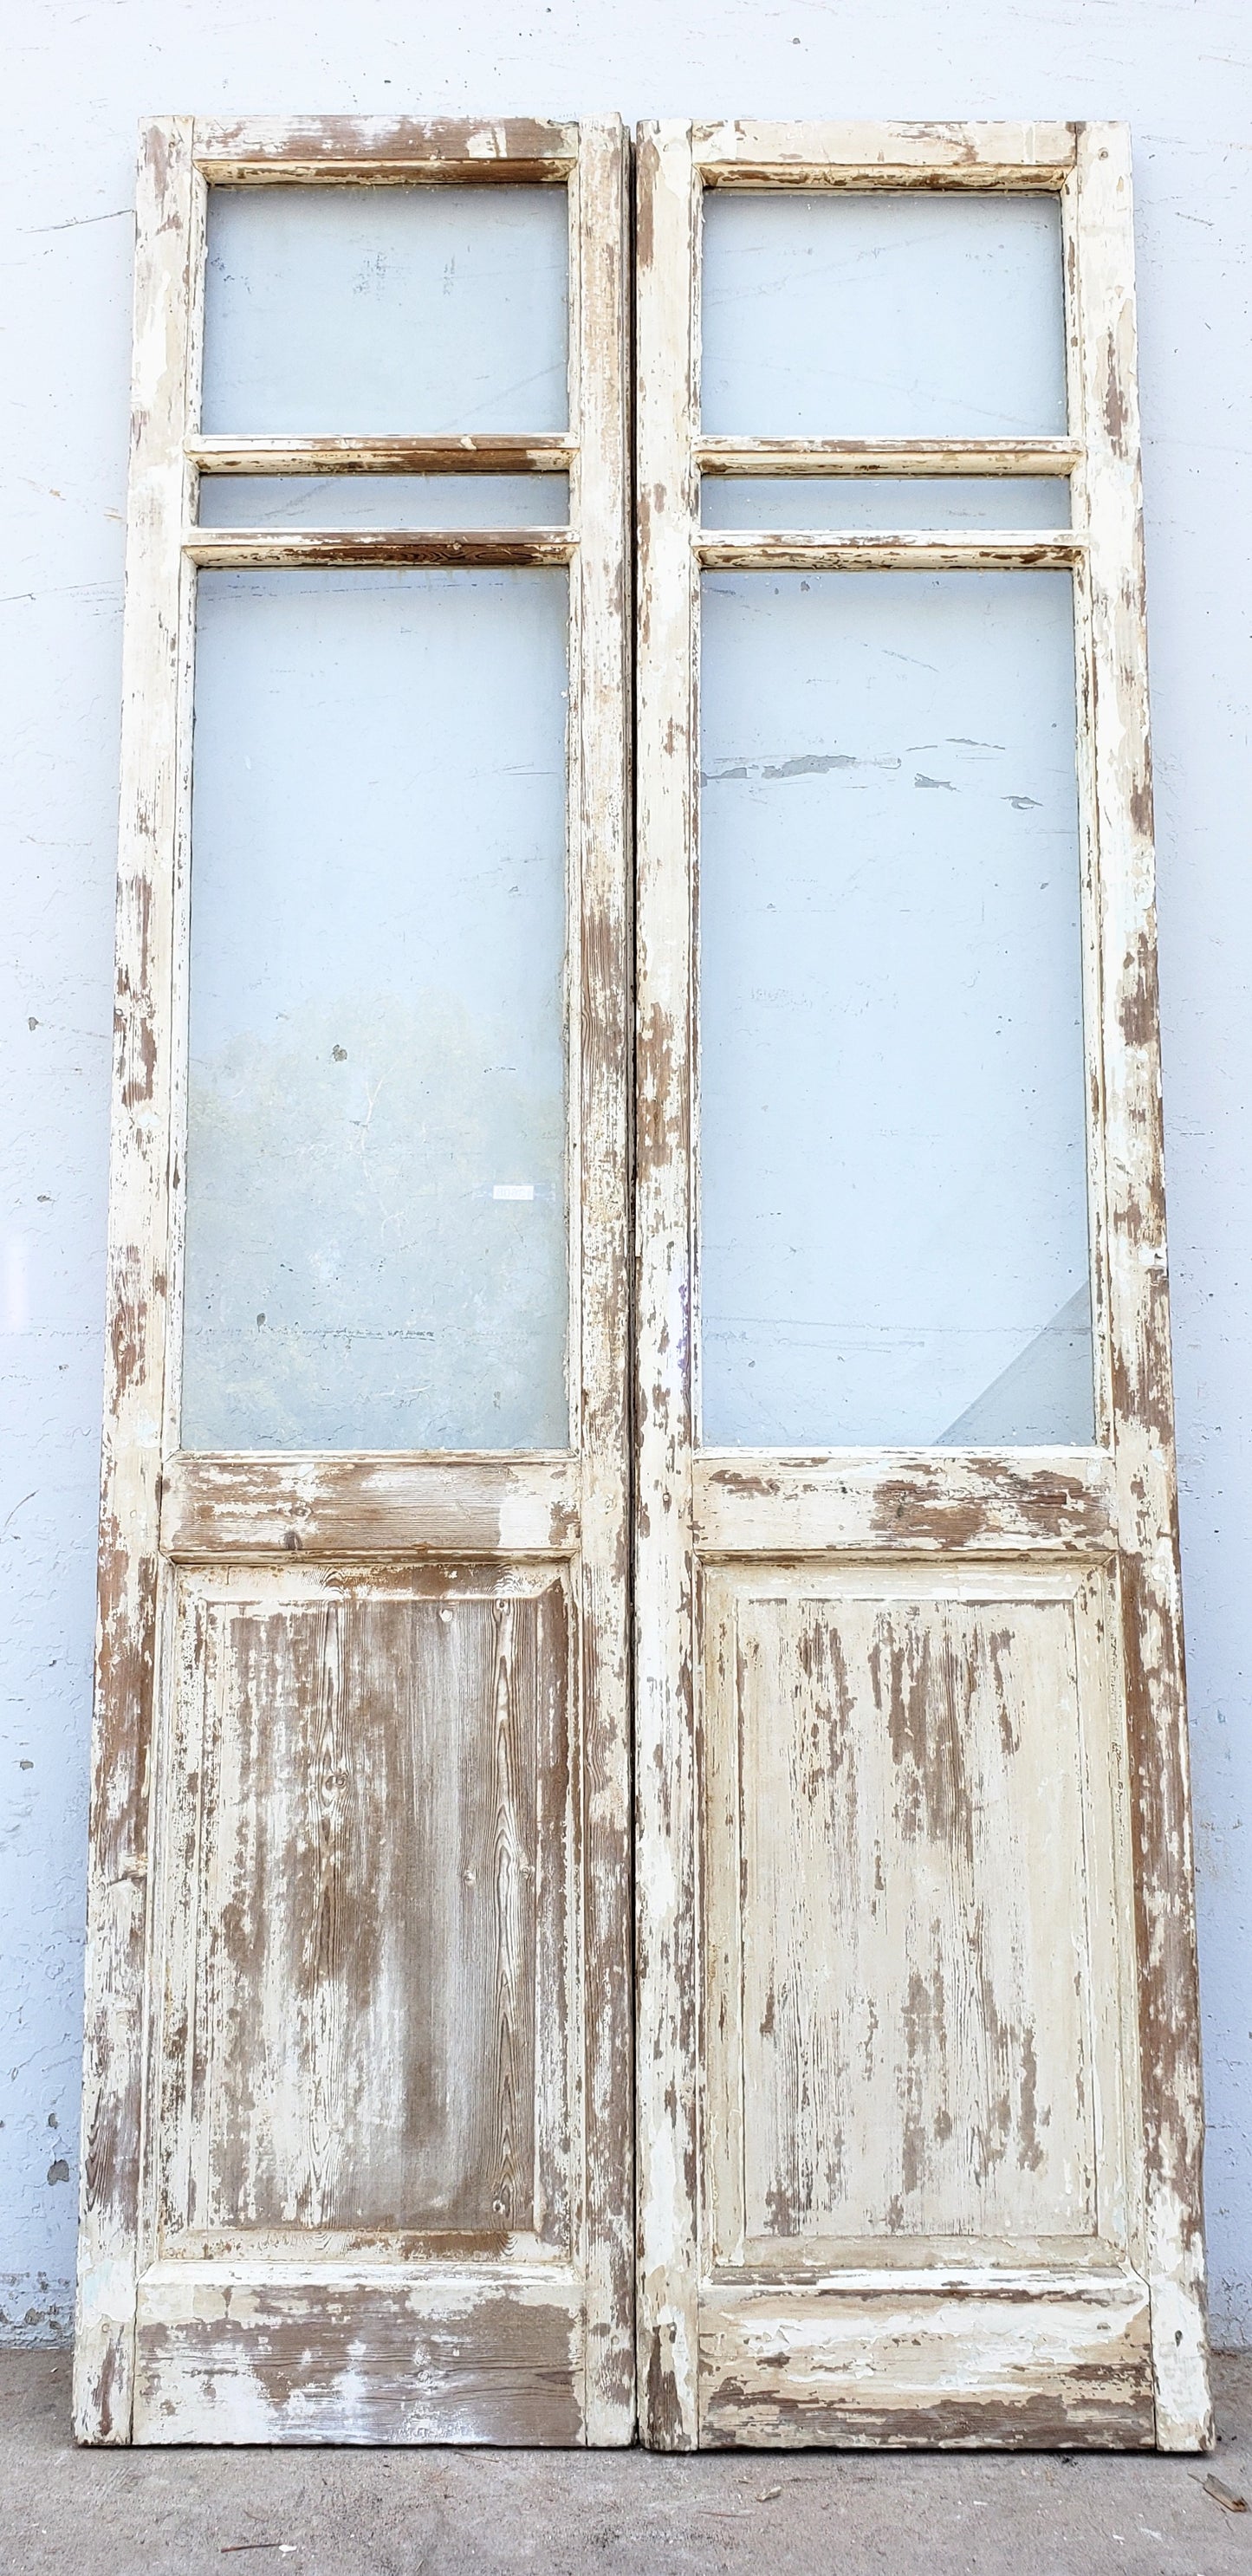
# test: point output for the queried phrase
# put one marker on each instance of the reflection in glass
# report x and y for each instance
(893, 1222)
(376, 1122)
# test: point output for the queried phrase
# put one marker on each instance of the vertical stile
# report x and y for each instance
(598, 1057)
(136, 1317)
(668, 211)
(1138, 1323)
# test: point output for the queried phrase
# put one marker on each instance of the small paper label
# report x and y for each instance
(513, 1190)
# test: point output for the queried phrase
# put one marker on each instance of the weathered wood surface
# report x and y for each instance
(233, 2353)
(389, 1960)
(247, 1509)
(1016, 1612)
(667, 500)
(786, 550)
(904, 1502)
(163, 400)
(1101, 254)
(226, 548)
(470, 453)
(367, 1856)
(748, 154)
(876, 456)
(353, 149)
(1063, 2367)
(905, 2033)
(601, 845)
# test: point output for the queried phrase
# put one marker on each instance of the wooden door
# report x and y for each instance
(919, 2113)
(356, 2134)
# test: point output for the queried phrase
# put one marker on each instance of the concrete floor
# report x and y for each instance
(438, 2513)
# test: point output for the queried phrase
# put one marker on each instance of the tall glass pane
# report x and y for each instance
(893, 1215)
(356, 311)
(375, 1155)
(902, 314)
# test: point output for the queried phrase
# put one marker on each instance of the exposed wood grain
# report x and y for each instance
(784, 550)
(891, 456)
(468, 454)
(1068, 2366)
(136, 1294)
(601, 847)
(255, 1507)
(1173, 2250)
(371, 2034)
(898, 2004)
(231, 2353)
(856, 1762)
(667, 216)
(229, 548)
(354, 149)
(748, 154)
(905, 1502)
(390, 1932)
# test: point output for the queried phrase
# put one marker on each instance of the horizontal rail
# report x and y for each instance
(919, 1502)
(448, 455)
(1017, 156)
(252, 1508)
(795, 550)
(353, 149)
(229, 549)
(906, 456)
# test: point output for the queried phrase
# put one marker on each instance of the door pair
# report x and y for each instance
(781, 2027)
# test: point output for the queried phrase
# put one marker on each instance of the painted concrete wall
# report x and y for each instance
(79, 74)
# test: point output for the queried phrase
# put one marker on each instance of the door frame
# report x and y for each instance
(1117, 1499)
(166, 1514)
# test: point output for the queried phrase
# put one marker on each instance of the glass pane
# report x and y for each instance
(350, 311)
(376, 1123)
(894, 1230)
(384, 500)
(894, 501)
(901, 315)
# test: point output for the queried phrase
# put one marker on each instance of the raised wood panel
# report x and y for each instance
(1017, 2365)
(366, 1907)
(904, 1772)
(227, 2354)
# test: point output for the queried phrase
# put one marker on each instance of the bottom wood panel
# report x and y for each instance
(1009, 2367)
(368, 2357)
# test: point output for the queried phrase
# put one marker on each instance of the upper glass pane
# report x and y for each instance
(828, 314)
(355, 311)
(376, 1092)
(892, 1100)
(890, 501)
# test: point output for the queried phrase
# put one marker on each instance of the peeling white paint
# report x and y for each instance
(75, 89)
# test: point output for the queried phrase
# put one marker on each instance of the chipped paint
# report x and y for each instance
(927, 1811)
(406, 2049)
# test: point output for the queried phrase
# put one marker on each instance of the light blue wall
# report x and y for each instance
(77, 80)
